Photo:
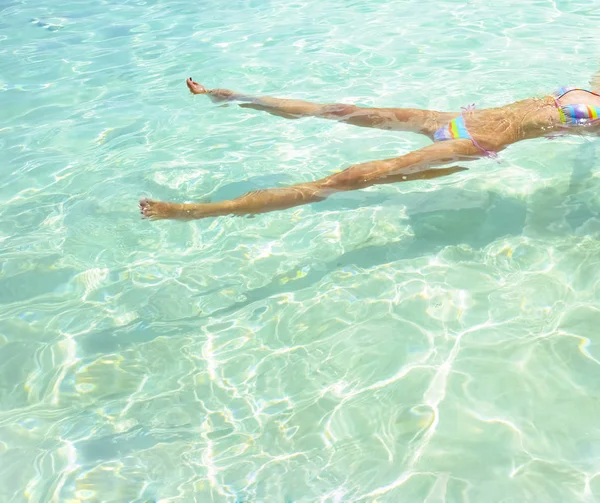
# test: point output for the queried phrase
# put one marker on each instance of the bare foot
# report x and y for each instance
(157, 210)
(215, 95)
(195, 88)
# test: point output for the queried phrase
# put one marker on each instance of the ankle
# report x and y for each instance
(222, 95)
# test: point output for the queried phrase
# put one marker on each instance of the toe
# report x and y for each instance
(145, 205)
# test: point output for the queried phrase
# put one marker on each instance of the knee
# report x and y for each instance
(351, 178)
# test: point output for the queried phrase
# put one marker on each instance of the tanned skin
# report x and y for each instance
(493, 129)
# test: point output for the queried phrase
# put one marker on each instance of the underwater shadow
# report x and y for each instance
(442, 218)
(445, 217)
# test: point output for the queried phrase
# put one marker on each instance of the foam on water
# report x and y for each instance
(427, 342)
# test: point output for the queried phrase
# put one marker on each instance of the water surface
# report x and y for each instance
(427, 342)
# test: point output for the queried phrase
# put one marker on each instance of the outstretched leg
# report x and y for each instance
(397, 119)
(412, 166)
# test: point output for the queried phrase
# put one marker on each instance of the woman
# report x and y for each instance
(456, 136)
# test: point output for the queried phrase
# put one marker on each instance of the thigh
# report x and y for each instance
(413, 120)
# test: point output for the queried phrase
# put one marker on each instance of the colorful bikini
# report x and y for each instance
(576, 115)
(570, 115)
(456, 129)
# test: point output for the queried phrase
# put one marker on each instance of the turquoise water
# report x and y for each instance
(426, 342)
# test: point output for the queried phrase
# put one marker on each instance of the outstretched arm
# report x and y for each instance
(413, 166)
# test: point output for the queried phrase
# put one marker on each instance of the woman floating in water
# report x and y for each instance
(456, 136)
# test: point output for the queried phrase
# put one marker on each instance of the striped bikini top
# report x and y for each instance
(576, 115)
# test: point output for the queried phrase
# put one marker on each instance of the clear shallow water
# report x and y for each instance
(428, 342)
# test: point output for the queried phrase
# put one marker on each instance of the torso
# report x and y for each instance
(496, 128)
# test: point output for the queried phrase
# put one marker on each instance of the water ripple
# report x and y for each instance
(431, 342)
